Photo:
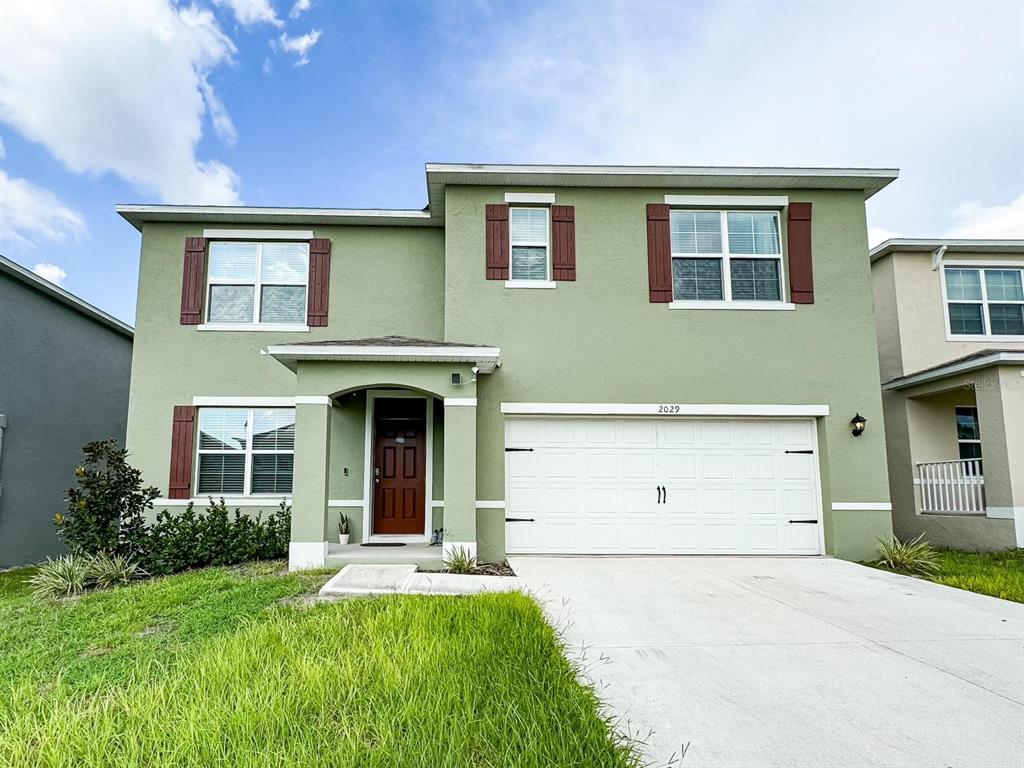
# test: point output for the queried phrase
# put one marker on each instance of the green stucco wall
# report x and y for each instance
(599, 339)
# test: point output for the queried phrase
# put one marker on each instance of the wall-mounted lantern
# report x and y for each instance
(858, 423)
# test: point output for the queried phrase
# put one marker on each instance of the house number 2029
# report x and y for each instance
(668, 409)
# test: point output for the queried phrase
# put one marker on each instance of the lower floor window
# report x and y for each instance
(968, 435)
(246, 451)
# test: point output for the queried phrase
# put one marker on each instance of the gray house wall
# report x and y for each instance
(63, 382)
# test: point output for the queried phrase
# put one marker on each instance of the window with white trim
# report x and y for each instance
(968, 434)
(261, 283)
(726, 255)
(985, 301)
(530, 243)
(245, 451)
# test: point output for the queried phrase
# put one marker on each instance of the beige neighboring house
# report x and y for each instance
(950, 317)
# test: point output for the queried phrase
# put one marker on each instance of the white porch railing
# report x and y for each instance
(952, 486)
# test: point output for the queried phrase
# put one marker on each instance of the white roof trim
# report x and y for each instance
(485, 358)
(948, 370)
(930, 245)
(137, 215)
(661, 409)
(69, 299)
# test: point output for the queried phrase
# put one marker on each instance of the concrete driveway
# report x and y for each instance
(812, 662)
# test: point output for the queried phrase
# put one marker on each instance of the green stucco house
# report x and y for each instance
(545, 359)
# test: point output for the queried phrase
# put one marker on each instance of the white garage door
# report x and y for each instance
(672, 486)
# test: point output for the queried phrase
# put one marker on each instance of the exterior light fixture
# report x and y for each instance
(858, 423)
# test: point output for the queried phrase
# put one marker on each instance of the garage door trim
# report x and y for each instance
(665, 409)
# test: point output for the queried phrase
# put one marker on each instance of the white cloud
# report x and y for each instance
(300, 45)
(975, 220)
(3, 149)
(249, 12)
(50, 272)
(122, 92)
(878, 235)
(29, 213)
(300, 7)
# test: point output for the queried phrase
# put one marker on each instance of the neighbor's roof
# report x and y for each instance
(439, 175)
(928, 245)
(971, 362)
(47, 288)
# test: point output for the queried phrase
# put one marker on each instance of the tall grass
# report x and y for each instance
(393, 681)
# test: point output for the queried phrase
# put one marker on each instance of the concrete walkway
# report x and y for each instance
(359, 579)
(813, 662)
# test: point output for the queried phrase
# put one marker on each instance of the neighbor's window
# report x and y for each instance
(246, 451)
(985, 301)
(257, 282)
(968, 435)
(528, 235)
(726, 256)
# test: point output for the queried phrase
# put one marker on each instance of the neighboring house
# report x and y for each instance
(950, 316)
(64, 369)
(562, 359)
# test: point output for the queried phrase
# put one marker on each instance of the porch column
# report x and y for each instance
(308, 546)
(999, 392)
(460, 474)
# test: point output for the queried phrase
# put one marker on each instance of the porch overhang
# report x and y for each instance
(961, 365)
(401, 349)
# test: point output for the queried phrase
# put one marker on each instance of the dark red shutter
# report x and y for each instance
(182, 439)
(193, 281)
(319, 281)
(563, 239)
(659, 253)
(497, 242)
(801, 275)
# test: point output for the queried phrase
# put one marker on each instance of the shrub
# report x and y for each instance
(63, 577)
(459, 560)
(112, 570)
(914, 557)
(105, 512)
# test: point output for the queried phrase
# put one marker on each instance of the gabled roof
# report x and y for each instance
(34, 281)
(928, 245)
(972, 362)
(439, 175)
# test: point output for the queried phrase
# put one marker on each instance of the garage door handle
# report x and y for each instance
(807, 522)
(519, 450)
(519, 520)
(799, 451)
(662, 493)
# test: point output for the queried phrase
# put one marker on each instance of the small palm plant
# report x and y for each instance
(459, 560)
(916, 557)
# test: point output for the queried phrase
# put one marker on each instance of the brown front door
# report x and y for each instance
(400, 465)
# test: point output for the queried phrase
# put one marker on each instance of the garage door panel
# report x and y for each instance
(595, 486)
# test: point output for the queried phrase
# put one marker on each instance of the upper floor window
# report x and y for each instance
(245, 451)
(726, 256)
(529, 241)
(985, 301)
(257, 282)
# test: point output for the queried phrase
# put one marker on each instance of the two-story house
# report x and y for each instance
(546, 359)
(950, 316)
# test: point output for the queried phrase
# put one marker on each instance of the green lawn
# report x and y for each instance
(1000, 574)
(217, 668)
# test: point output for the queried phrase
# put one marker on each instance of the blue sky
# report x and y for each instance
(273, 102)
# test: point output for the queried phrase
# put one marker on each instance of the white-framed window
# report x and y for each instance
(968, 434)
(985, 301)
(254, 282)
(245, 451)
(529, 241)
(726, 256)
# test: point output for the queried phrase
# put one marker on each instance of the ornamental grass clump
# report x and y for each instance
(459, 560)
(915, 557)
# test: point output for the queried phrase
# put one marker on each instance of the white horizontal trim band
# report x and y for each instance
(491, 504)
(729, 201)
(243, 402)
(346, 503)
(254, 327)
(231, 501)
(467, 401)
(873, 506)
(661, 409)
(541, 198)
(747, 305)
(312, 400)
(435, 503)
(1003, 513)
(258, 234)
(531, 284)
